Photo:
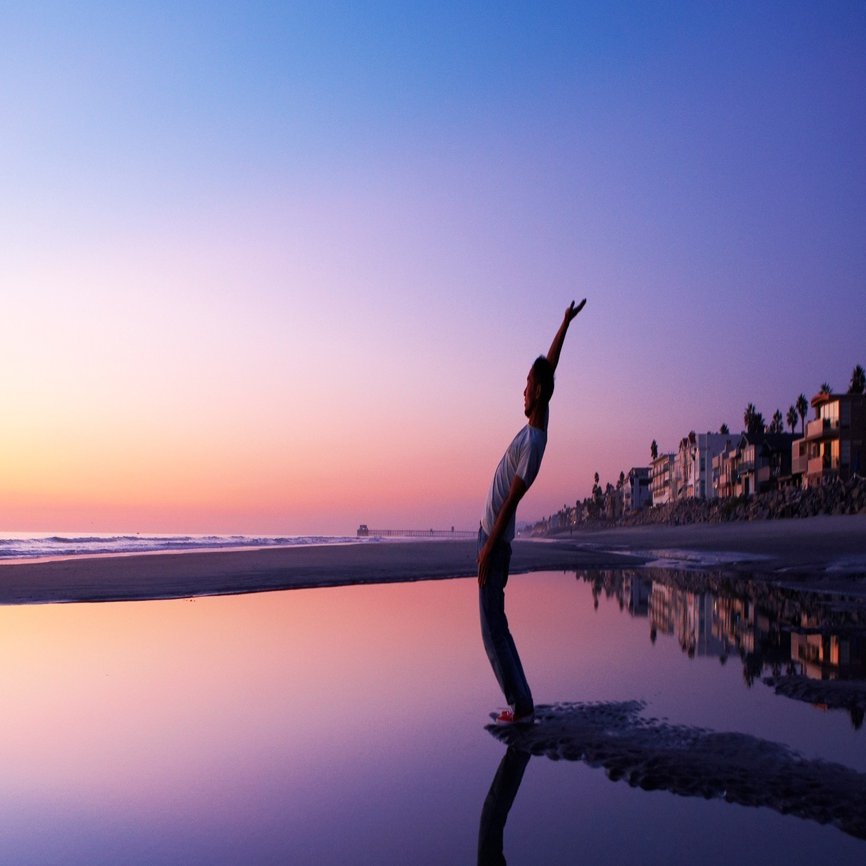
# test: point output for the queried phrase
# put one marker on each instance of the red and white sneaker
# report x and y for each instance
(507, 718)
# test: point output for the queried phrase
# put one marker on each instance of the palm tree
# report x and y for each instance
(776, 425)
(596, 496)
(753, 420)
(791, 418)
(723, 430)
(802, 406)
(654, 449)
(826, 389)
(858, 381)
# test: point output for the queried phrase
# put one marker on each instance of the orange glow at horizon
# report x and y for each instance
(209, 323)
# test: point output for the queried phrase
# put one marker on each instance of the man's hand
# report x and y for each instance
(559, 339)
(572, 311)
(483, 564)
(506, 513)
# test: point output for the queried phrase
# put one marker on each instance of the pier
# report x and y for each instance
(365, 532)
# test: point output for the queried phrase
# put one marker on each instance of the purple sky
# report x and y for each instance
(283, 267)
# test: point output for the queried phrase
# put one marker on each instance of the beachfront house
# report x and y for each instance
(695, 459)
(835, 442)
(799, 461)
(662, 485)
(636, 489)
(723, 472)
(757, 464)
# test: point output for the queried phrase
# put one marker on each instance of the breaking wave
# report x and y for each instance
(36, 546)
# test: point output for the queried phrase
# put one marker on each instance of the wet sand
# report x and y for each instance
(689, 761)
(827, 552)
(179, 575)
(823, 552)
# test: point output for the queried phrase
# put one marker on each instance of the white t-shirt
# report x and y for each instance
(523, 458)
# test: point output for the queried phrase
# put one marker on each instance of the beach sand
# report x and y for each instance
(827, 552)
(824, 553)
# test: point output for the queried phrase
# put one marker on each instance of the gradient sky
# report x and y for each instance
(282, 267)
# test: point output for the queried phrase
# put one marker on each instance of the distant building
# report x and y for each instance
(636, 490)
(799, 461)
(662, 479)
(835, 441)
(758, 463)
(723, 472)
(694, 473)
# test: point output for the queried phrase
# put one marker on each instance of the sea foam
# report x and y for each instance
(22, 545)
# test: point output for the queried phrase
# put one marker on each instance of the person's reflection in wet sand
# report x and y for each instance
(497, 805)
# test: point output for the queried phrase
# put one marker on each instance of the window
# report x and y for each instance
(845, 414)
(845, 453)
(830, 412)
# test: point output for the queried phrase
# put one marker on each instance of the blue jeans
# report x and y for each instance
(495, 633)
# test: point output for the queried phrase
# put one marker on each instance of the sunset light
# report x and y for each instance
(283, 268)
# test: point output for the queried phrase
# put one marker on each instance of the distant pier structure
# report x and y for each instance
(364, 531)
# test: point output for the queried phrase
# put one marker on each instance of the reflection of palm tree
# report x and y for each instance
(498, 803)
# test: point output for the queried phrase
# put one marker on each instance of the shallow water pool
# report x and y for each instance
(347, 725)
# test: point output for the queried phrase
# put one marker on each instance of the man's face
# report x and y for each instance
(530, 394)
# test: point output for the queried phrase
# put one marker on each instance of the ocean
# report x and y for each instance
(35, 545)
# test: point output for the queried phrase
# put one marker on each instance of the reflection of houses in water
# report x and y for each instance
(636, 593)
(629, 587)
(734, 622)
(775, 630)
(687, 615)
(697, 635)
(707, 625)
(662, 608)
(829, 656)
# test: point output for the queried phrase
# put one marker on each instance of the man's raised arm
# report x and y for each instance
(556, 346)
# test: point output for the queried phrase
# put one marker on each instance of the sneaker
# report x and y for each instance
(508, 717)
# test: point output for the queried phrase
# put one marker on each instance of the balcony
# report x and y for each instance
(816, 466)
(822, 428)
(820, 465)
(799, 464)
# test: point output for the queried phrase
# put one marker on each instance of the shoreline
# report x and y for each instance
(797, 545)
(825, 554)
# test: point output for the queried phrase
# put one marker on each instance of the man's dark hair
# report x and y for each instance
(542, 370)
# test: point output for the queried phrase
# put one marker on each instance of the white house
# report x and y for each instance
(636, 490)
(694, 475)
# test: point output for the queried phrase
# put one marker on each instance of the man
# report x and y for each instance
(513, 477)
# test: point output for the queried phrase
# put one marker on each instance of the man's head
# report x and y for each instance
(539, 385)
